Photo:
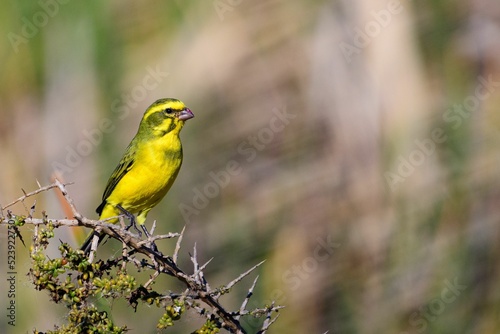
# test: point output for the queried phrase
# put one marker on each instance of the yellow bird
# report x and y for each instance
(148, 168)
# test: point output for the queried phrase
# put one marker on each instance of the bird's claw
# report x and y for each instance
(148, 235)
(131, 217)
(133, 223)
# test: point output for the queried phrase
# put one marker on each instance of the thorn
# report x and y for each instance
(32, 209)
(18, 234)
(200, 269)
(194, 258)
(239, 278)
(247, 298)
(268, 322)
(178, 245)
(153, 227)
(38, 183)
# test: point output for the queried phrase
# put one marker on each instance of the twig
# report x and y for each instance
(152, 278)
(200, 272)
(247, 298)
(178, 245)
(32, 210)
(62, 188)
(239, 278)
(194, 259)
(94, 244)
(124, 245)
(158, 237)
(26, 195)
(152, 231)
(268, 322)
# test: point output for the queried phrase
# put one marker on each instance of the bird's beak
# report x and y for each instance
(185, 114)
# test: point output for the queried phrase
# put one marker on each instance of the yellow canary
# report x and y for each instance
(149, 166)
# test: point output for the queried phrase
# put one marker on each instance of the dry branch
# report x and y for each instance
(197, 287)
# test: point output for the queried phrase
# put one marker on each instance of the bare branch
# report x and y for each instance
(247, 298)
(268, 322)
(197, 287)
(158, 237)
(26, 195)
(62, 188)
(151, 279)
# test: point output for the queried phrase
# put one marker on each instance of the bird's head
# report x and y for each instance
(164, 116)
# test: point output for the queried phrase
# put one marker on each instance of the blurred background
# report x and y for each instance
(351, 144)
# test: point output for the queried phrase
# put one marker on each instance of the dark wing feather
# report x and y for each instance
(126, 163)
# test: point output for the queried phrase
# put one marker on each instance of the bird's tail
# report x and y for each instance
(87, 245)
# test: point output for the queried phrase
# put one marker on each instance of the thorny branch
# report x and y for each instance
(197, 287)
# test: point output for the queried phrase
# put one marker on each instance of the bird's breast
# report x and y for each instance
(155, 168)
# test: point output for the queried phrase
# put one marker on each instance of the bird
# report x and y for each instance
(147, 169)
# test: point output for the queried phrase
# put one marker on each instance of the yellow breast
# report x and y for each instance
(155, 168)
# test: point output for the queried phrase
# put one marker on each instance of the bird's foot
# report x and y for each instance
(131, 217)
(153, 245)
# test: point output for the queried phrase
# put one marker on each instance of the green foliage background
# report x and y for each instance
(359, 119)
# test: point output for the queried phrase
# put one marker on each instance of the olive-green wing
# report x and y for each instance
(126, 164)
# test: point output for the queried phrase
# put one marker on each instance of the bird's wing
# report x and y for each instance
(126, 164)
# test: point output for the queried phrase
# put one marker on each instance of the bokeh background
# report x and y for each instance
(365, 135)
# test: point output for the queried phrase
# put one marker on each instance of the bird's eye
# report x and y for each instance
(168, 110)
